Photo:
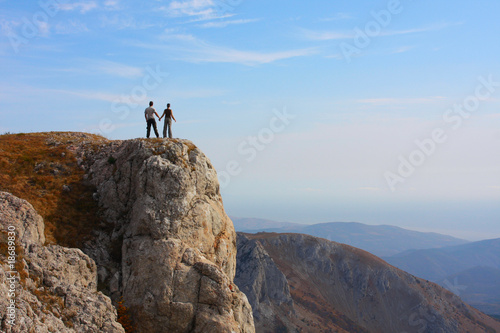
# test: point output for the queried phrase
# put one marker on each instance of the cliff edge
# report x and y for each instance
(161, 240)
(175, 245)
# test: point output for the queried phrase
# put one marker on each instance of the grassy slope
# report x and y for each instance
(35, 167)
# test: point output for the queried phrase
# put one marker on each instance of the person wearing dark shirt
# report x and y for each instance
(167, 113)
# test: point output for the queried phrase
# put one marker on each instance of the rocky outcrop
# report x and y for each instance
(171, 249)
(266, 288)
(50, 288)
(357, 291)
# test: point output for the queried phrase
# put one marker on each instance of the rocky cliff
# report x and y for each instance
(335, 287)
(175, 246)
(47, 288)
(164, 243)
(266, 288)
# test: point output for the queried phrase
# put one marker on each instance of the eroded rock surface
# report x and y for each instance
(55, 287)
(266, 288)
(171, 252)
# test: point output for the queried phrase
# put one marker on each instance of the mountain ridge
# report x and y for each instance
(453, 266)
(382, 240)
(353, 290)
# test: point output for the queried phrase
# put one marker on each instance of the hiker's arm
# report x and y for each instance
(173, 117)
(146, 116)
(157, 115)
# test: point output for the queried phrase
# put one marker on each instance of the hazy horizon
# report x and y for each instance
(465, 235)
(380, 112)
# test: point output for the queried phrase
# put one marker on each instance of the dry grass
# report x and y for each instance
(34, 169)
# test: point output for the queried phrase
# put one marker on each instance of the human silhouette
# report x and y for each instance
(167, 113)
(149, 114)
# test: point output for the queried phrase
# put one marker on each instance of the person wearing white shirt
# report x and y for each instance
(149, 114)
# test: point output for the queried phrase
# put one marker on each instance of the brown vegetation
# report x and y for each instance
(124, 316)
(40, 168)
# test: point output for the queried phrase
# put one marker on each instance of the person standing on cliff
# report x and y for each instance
(149, 114)
(167, 113)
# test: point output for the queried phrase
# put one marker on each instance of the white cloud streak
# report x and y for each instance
(84, 7)
(70, 27)
(338, 35)
(223, 24)
(191, 49)
(392, 101)
(117, 69)
(199, 9)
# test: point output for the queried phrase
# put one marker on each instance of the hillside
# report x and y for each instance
(478, 286)
(470, 270)
(149, 218)
(43, 168)
(343, 289)
(381, 240)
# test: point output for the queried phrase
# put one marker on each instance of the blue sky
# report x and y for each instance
(381, 112)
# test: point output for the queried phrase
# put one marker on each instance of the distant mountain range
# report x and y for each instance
(381, 240)
(471, 271)
(300, 283)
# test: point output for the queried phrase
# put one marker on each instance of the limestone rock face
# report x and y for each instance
(172, 250)
(55, 287)
(265, 286)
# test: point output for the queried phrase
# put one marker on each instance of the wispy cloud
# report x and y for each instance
(394, 50)
(223, 24)
(91, 95)
(221, 54)
(43, 29)
(197, 93)
(116, 69)
(336, 35)
(392, 101)
(118, 21)
(196, 9)
(433, 27)
(191, 49)
(84, 7)
(174, 34)
(337, 17)
(402, 49)
(38, 91)
(121, 21)
(101, 67)
(325, 35)
(9, 27)
(70, 27)
(112, 4)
